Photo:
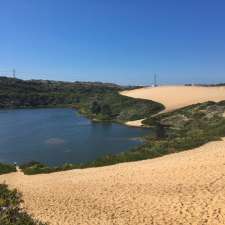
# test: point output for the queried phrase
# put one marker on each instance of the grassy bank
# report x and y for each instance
(10, 210)
(177, 131)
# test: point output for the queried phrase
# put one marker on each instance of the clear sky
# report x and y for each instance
(122, 41)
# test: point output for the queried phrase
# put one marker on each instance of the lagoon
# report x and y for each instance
(57, 136)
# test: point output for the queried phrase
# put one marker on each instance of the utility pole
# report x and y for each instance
(14, 73)
(155, 80)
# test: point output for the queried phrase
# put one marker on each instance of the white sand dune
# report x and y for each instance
(183, 188)
(175, 97)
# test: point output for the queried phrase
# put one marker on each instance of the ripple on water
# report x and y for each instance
(54, 141)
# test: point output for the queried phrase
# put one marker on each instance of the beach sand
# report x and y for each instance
(135, 123)
(175, 97)
(185, 188)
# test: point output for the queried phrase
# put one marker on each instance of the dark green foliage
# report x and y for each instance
(95, 108)
(106, 110)
(33, 167)
(7, 168)
(10, 211)
(98, 101)
(30, 164)
(160, 130)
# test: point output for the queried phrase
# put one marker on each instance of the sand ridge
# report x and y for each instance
(183, 188)
(175, 97)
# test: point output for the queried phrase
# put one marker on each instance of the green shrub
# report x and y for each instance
(10, 211)
(7, 168)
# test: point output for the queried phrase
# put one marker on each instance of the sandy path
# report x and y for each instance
(175, 97)
(185, 188)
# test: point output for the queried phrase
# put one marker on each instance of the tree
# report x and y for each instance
(95, 107)
(106, 110)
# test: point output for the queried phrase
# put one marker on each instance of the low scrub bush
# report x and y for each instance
(7, 168)
(10, 211)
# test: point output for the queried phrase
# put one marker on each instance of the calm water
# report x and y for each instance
(56, 136)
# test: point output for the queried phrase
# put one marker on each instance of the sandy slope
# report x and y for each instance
(184, 188)
(174, 97)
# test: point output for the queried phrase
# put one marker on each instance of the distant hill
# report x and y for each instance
(207, 85)
(96, 100)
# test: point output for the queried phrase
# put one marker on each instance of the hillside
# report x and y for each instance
(98, 101)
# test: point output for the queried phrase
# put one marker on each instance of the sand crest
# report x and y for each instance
(183, 188)
(175, 97)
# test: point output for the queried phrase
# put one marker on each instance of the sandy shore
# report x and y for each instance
(134, 123)
(175, 97)
(184, 188)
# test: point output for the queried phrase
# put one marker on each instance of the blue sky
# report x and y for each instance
(122, 41)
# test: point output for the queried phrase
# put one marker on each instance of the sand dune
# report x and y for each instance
(184, 188)
(174, 97)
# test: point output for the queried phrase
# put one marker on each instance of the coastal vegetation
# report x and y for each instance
(7, 168)
(97, 101)
(182, 129)
(10, 209)
(175, 131)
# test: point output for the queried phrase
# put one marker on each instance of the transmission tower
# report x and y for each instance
(14, 73)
